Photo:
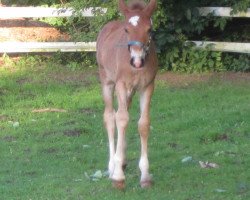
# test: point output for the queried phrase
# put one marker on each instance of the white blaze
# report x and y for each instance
(134, 20)
(137, 54)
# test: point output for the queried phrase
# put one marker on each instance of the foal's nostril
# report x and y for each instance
(132, 61)
(142, 62)
(137, 63)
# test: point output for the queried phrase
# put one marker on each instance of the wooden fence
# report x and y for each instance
(39, 12)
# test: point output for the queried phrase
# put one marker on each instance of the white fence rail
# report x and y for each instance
(32, 47)
(49, 47)
(39, 12)
(222, 12)
(223, 46)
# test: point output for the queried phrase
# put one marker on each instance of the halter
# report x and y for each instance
(145, 47)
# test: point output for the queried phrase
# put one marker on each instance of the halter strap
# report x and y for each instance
(135, 43)
(140, 44)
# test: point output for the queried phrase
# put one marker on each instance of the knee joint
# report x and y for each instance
(122, 118)
(143, 126)
(109, 115)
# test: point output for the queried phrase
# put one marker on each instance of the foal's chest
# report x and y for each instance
(138, 81)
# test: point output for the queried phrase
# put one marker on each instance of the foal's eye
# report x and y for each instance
(126, 30)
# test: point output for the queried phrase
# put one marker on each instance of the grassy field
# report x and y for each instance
(53, 155)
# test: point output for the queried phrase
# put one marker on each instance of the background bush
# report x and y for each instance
(175, 22)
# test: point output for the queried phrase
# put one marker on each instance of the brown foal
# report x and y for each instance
(127, 62)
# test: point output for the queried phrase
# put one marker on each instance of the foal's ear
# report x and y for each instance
(151, 7)
(123, 7)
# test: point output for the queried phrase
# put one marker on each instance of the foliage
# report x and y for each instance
(57, 22)
(192, 60)
(237, 63)
(74, 61)
(180, 21)
(91, 26)
(32, 2)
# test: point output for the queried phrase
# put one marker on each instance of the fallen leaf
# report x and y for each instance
(218, 153)
(86, 175)
(78, 180)
(105, 174)
(97, 175)
(208, 164)
(16, 124)
(220, 190)
(187, 159)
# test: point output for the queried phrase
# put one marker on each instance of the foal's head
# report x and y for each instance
(138, 29)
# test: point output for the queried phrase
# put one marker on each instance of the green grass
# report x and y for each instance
(49, 154)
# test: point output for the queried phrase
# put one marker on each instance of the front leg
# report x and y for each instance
(143, 128)
(109, 121)
(122, 119)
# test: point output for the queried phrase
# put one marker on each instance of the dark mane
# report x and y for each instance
(136, 5)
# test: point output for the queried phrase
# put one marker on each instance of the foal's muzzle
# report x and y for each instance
(138, 57)
(137, 63)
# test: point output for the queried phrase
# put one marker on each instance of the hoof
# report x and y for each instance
(120, 185)
(146, 184)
